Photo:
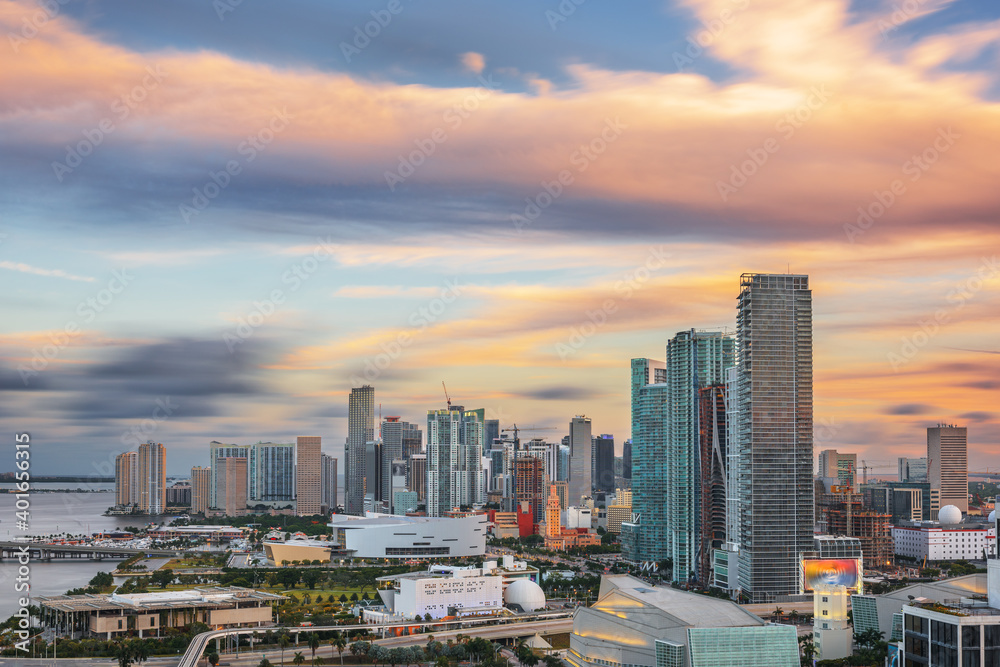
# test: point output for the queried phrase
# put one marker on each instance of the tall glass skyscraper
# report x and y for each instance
(360, 431)
(774, 431)
(580, 445)
(454, 459)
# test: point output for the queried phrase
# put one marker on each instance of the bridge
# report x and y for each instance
(551, 623)
(48, 552)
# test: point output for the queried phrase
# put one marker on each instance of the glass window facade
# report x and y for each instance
(752, 646)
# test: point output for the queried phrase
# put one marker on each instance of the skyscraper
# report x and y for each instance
(308, 480)
(127, 478)
(231, 485)
(912, 470)
(416, 475)
(152, 478)
(271, 474)
(360, 431)
(627, 459)
(774, 431)
(948, 464)
(328, 471)
(531, 487)
(644, 536)
(603, 465)
(201, 484)
(580, 483)
(713, 435)
(644, 372)
(454, 459)
(838, 469)
(400, 440)
(220, 450)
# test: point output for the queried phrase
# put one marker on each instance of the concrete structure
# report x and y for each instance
(360, 430)
(634, 624)
(387, 536)
(308, 475)
(210, 533)
(454, 459)
(832, 632)
(524, 596)
(580, 482)
(151, 614)
(912, 470)
(713, 460)
(201, 485)
(416, 475)
(152, 472)
(328, 482)
(299, 548)
(530, 484)
(947, 464)
(441, 591)
(404, 501)
(220, 450)
(400, 440)
(127, 478)
(936, 541)
(618, 514)
(838, 469)
(179, 494)
(774, 403)
(231, 485)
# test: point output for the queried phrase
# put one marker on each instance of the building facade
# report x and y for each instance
(231, 485)
(454, 459)
(603, 466)
(201, 484)
(774, 431)
(948, 464)
(152, 471)
(127, 478)
(360, 431)
(931, 540)
(328, 471)
(271, 474)
(580, 482)
(308, 475)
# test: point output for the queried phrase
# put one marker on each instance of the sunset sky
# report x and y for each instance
(216, 217)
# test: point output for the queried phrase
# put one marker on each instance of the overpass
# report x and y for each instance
(550, 622)
(49, 552)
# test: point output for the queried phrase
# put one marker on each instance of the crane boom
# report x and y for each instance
(447, 397)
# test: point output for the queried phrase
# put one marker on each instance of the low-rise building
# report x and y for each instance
(210, 533)
(933, 541)
(150, 614)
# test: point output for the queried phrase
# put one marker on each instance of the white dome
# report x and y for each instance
(525, 594)
(993, 517)
(949, 514)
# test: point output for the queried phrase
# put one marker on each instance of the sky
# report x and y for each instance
(216, 218)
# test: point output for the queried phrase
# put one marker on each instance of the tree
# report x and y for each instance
(869, 639)
(442, 661)
(808, 649)
(298, 659)
(310, 578)
(354, 597)
(283, 642)
(162, 577)
(552, 661)
(130, 652)
(339, 642)
(264, 662)
(213, 658)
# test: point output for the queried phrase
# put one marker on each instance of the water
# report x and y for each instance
(56, 513)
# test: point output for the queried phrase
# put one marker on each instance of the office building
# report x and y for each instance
(308, 476)
(328, 482)
(562, 463)
(404, 502)
(580, 483)
(220, 450)
(644, 536)
(947, 464)
(400, 440)
(127, 478)
(627, 459)
(416, 476)
(491, 433)
(635, 624)
(360, 431)
(152, 466)
(912, 470)
(373, 477)
(231, 485)
(947, 539)
(603, 467)
(774, 431)
(454, 459)
(201, 484)
(839, 470)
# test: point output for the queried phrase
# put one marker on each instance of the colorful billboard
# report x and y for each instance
(831, 572)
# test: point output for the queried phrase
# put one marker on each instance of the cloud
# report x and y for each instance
(977, 416)
(560, 393)
(52, 273)
(474, 62)
(909, 409)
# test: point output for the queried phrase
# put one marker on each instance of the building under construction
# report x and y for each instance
(845, 516)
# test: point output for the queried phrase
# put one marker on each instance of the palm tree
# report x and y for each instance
(339, 643)
(778, 614)
(298, 659)
(318, 661)
(793, 616)
(313, 642)
(284, 643)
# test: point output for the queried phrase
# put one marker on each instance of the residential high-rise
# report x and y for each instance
(714, 445)
(127, 478)
(531, 487)
(644, 371)
(912, 470)
(580, 482)
(271, 474)
(220, 450)
(400, 440)
(839, 469)
(152, 464)
(308, 478)
(328, 486)
(454, 459)
(948, 464)
(201, 485)
(774, 431)
(416, 475)
(491, 433)
(603, 465)
(360, 431)
(231, 485)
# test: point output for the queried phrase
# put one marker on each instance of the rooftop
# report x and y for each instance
(213, 596)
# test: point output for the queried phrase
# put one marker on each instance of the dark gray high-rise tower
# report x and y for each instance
(360, 431)
(774, 432)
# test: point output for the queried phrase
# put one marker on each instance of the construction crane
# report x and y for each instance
(515, 430)
(446, 394)
(884, 466)
(517, 446)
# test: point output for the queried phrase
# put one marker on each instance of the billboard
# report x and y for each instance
(831, 572)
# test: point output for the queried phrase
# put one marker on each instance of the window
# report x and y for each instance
(119, 624)
(825, 613)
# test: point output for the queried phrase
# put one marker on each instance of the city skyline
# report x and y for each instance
(190, 261)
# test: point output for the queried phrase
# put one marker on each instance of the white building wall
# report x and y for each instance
(418, 539)
(434, 595)
(937, 543)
